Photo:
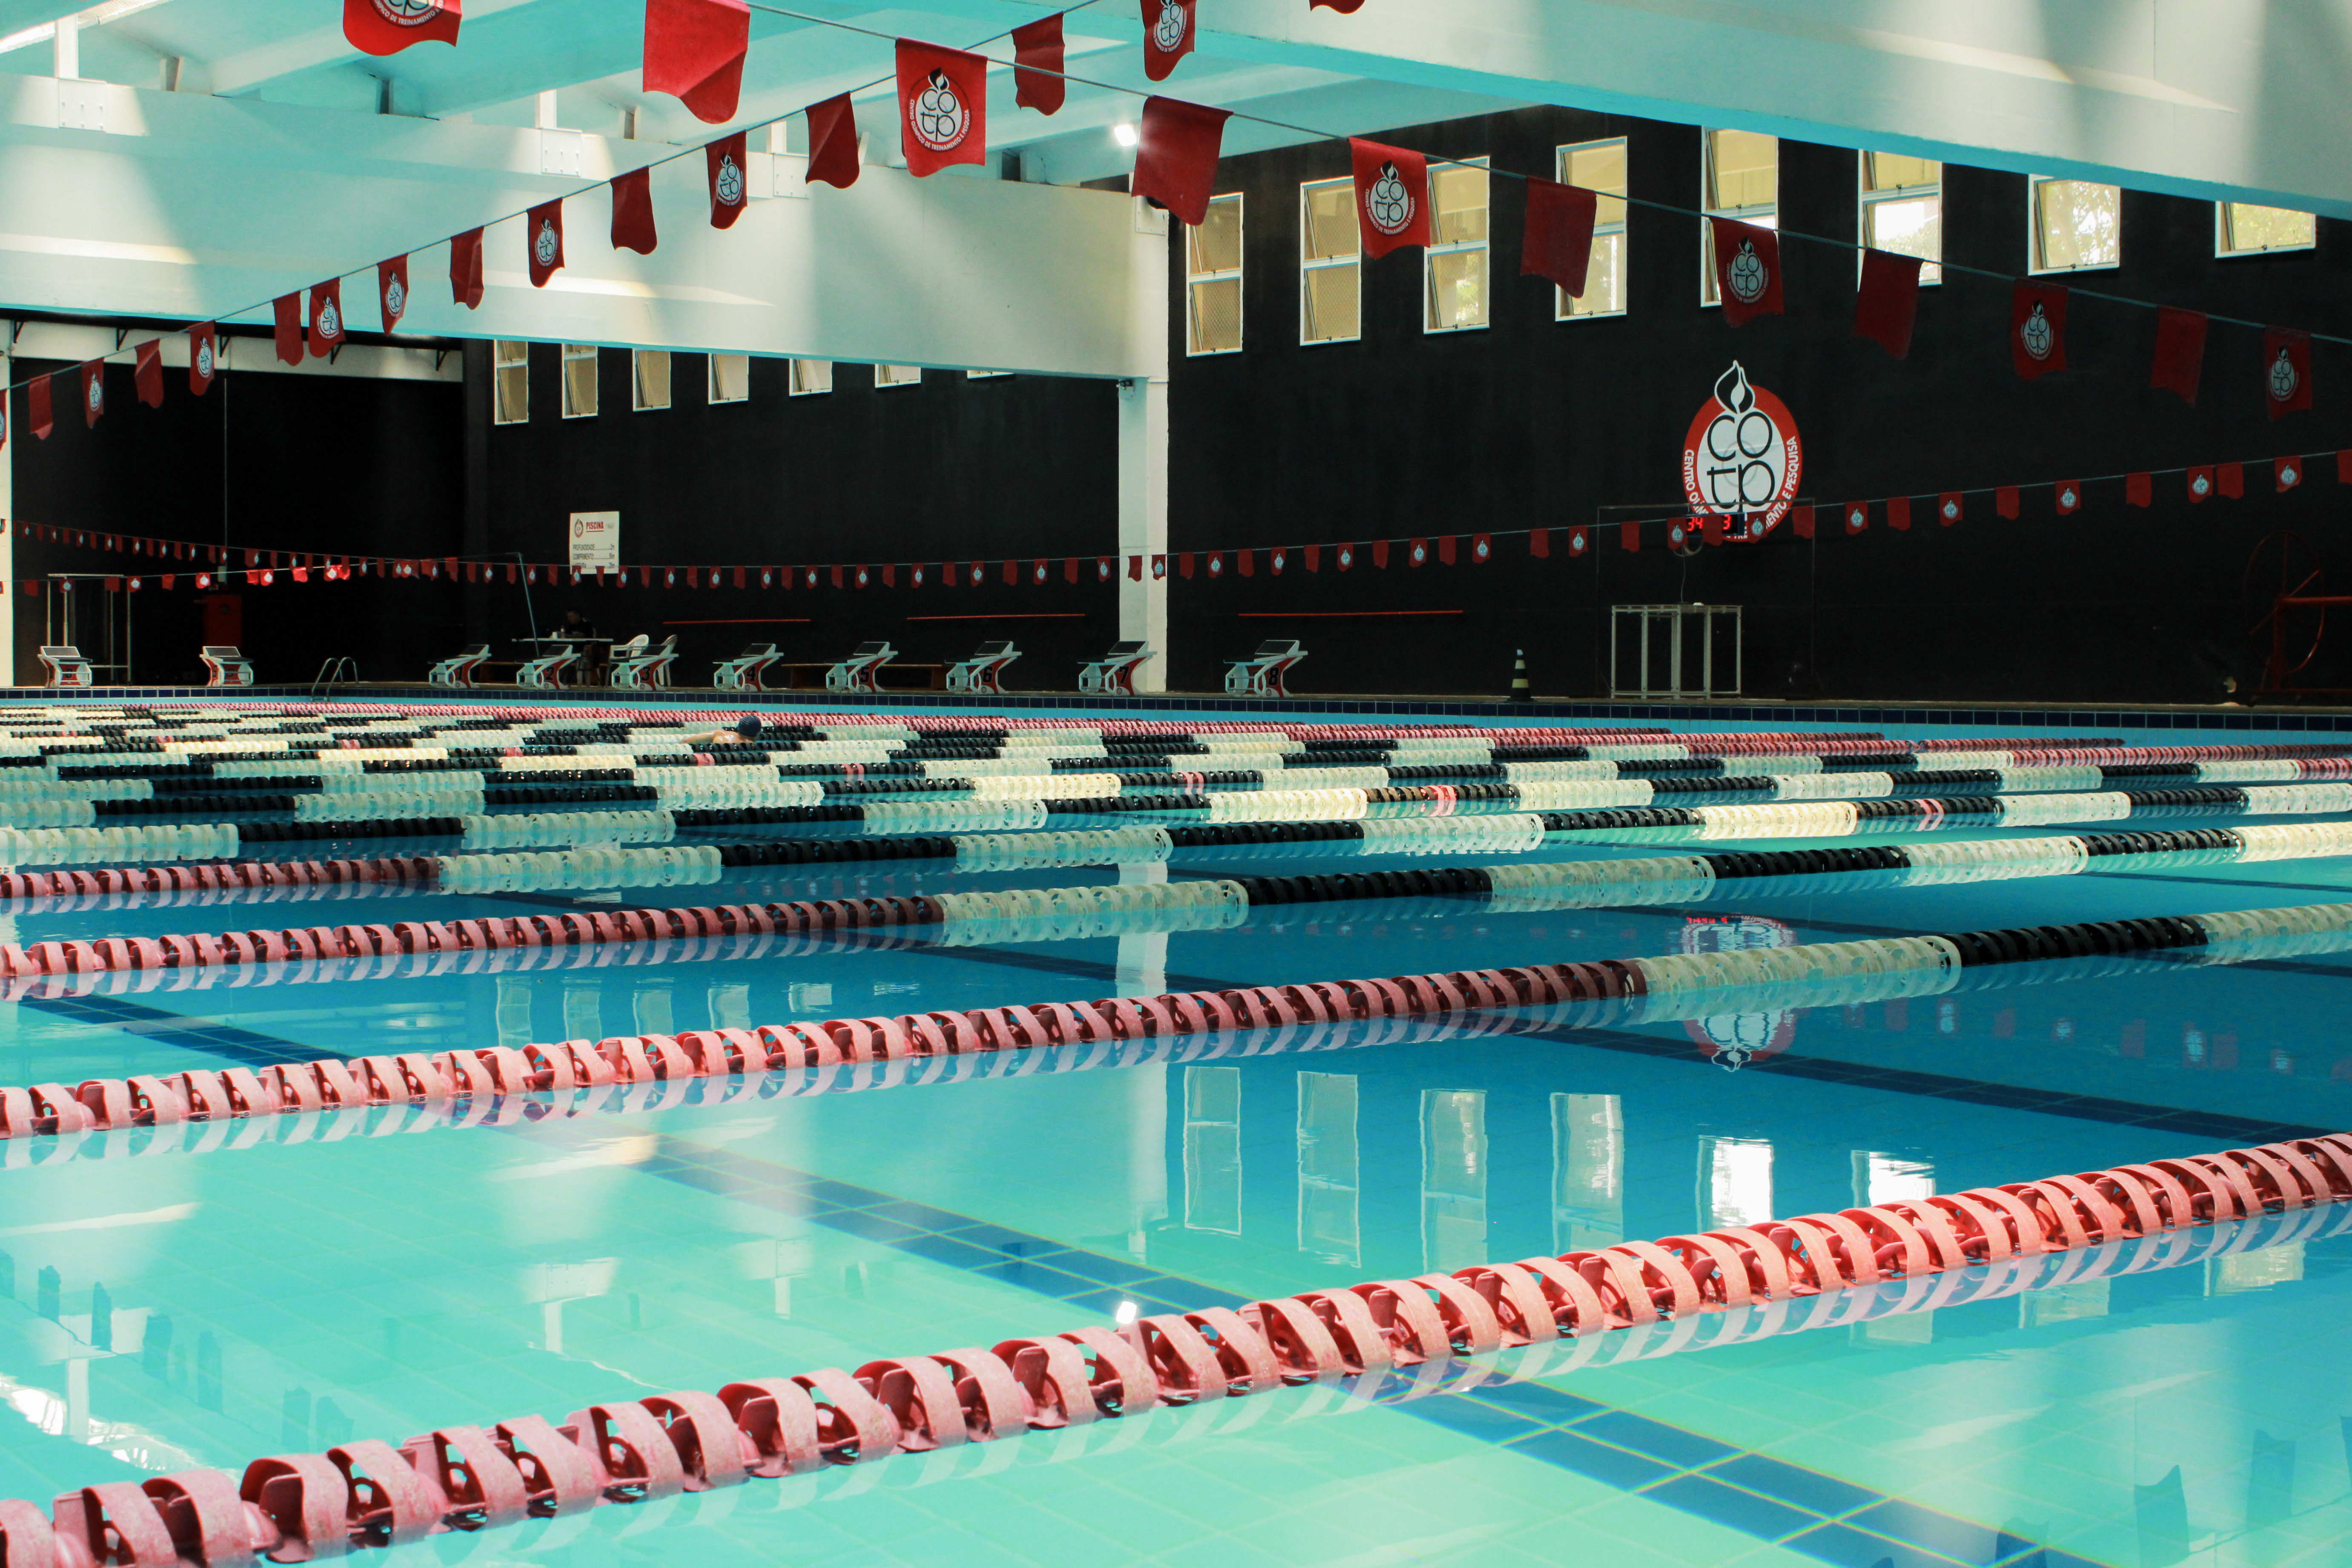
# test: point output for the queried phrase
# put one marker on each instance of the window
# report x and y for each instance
(1453, 267)
(1213, 280)
(652, 367)
(579, 379)
(511, 377)
(1903, 209)
(1330, 308)
(812, 376)
(730, 378)
(2076, 226)
(2241, 228)
(1598, 166)
(1740, 178)
(897, 375)
(985, 375)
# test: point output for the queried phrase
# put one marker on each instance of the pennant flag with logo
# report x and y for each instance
(93, 391)
(2286, 370)
(1888, 302)
(1557, 242)
(2068, 495)
(2179, 358)
(326, 318)
(1216, 563)
(633, 211)
(1948, 508)
(1580, 539)
(543, 226)
(1391, 196)
(2200, 483)
(2286, 473)
(942, 107)
(1103, 565)
(1176, 156)
(1038, 62)
(731, 180)
(694, 52)
(1159, 567)
(1747, 270)
(1166, 35)
(1482, 548)
(391, 290)
(1347, 557)
(147, 372)
(832, 143)
(466, 270)
(204, 350)
(2037, 328)
(287, 311)
(388, 27)
(1857, 516)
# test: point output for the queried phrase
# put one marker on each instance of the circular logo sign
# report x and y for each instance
(1742, 455)
(918, 577)
(408, 13)
(728, 186)
(1169, 31)
(549, 243)
(1747, 276)
(2034, 335)
(1216, 566)
(97, 392)
(205, 359)
(330, 322)
(1388, 205)
(1347, 557)
(2282, 378)
(1576, 542)
(940, 119)
(395, 297)
(1733, 1040)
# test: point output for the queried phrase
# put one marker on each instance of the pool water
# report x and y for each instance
(203, 1295)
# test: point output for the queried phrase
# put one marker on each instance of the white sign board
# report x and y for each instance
(597, 540)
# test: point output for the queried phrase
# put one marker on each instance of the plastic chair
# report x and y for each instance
(743, 672)
(457, 670)
(857, 672)
(547, 670)
(1260, 674)
(66, 666)
(984, 671)
(1115, 671)
(636, 666)
(226, 667)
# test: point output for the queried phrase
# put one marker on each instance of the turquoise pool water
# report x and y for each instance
(202, 1296)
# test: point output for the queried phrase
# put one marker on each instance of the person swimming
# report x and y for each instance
(745, 731)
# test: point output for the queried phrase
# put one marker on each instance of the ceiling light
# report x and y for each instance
(1125, 135)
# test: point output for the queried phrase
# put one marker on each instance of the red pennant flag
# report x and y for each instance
(1216, 563)
(2004, 501)
(1381, 554)
(739, 577)
(731, 180)
(1801, 521)
(1677, 531)
(289, 312)
(2230, 479)
(1888, 302)
(203, 361)
(1070, 570)
(1314, 555)
(2344, 468)
(633, 211)
(1747, 270)
(1710, 529)
(2286, 473)
(1176, 156)
(1482, 547)
(147, 375)
(391, 290)
(542, 228)
(1857, 516)
(1629, 535)
(2200, 483)
(2179, 356)
(2068, 495)
(832, 143)
(1135, 568)
(2139, 490)
(1345, 7)
(1012, 573)
(327, 332)
(466, 270)
(1279, 557)
(388, 27)
(170, 581)
(1391, 196)
(93, 391)
(1446, 548)
(1184, 565)
(942, 107)
(2037, 328)
(1037, 64)
(1948, 508)
(1557, 242)
(2286, 370)
(694, 52)
(863, 577)
(1159, 567)
(1898, 513)
(1578, 541)
(1166, 35)
(1249, 563)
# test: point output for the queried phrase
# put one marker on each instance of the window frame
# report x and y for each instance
(1707, 298)
(569, 355)
(1931, 273)
(499, 364)
(1193, 280)
(638, 403)
(1485, 244)
(1354, 258)
(711, 378)
(2034, 266)
(796, 386)
(1562, 301)
(880, 384)
(2223, 251)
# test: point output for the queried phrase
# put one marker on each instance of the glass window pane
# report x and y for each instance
(579, 382)
(1598, 166)
(1907, 225)
(2077, 224)
(510, 382)
(730, 378)
(1605, 281)
(1330, 228)
(1217, 315)
(1896, 172)
(2252, 228)
(1457, 290)
(897, 375)
(1331, 304)
(1745, 168)
(812, 376)
(653, 378)
(1216, 245)
(1460, 197)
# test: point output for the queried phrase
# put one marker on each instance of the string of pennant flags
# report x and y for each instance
(210, 567)
(695, 50)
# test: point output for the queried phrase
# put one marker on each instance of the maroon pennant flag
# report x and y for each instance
(942, 107)
(1898, 513)
(2004, 501)
(147, 374)
(1557, 243)
(1159, 567)
(1249, 562)
(1347, 557)
(2068, 495)
(2229, 479)
(889, 575)
(2200, 483)
(694, 52)
(1166, 35)
(391, 290)
(832, 143)
(1948, 508)
(1381, 554)
(1712, 527)
(287, 308)
(1540, 543)
(2343, 469)
(1391, 196)
(2139, 490)
(93, 391)
(1801, 521)
(1314, 554)
(1482, 547)
(1578, 541)
(2286, 473)
(1012, 573)
(2037, 328)
(1070, 570)
(1345, 7)
(1747, 270)
(1216, 563)
(1857, 516)
(1038, 62)
(1888, 302)
(2286, 370)
(203, 357)
(731, 180)
(1629, 535)
(1176, 156)
(1135, 568)
(1446, 548)
(542, 228)
(633, 211)
(1102, 565)
(1184, 565)
(466, 270)
(326, 318)
(388, 27)
(2179, 358)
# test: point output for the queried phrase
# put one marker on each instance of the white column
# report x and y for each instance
(8, 590)
(68, 55)
(1143, 521)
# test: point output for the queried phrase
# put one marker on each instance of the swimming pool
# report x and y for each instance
(205, 1293)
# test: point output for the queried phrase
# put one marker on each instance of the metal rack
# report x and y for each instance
(1690, 634)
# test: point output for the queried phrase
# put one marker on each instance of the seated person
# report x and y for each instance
(576, 623)
(745, 731)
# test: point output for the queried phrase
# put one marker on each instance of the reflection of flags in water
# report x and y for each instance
(1733, 1040)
